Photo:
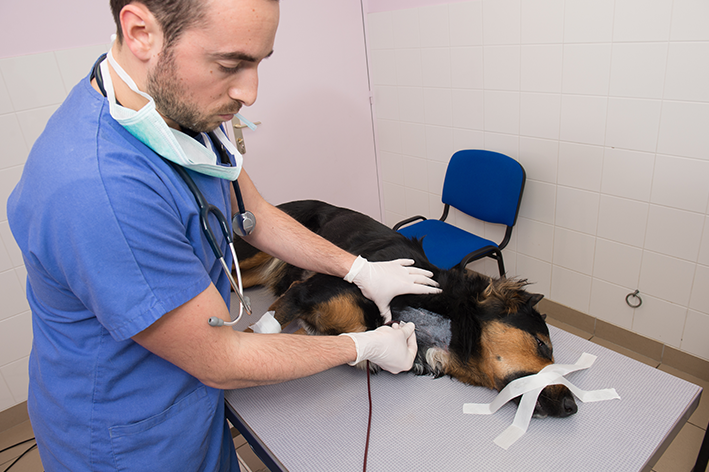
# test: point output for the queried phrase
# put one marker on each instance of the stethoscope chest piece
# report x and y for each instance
(243, 223)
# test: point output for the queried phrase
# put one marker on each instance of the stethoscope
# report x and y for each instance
(243, 223)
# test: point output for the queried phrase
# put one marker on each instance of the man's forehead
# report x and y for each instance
(241, 30)
(242, 10)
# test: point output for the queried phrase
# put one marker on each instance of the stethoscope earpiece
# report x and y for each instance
(215, 321)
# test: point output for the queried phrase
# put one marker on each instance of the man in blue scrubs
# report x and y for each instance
(125, 372)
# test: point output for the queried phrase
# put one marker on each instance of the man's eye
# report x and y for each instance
(230, 70)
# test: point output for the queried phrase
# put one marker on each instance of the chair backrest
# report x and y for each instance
(484, 184)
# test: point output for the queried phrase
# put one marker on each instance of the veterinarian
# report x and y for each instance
(125, 372)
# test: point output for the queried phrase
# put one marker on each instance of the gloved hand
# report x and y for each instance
(382, 281)
(393, 348)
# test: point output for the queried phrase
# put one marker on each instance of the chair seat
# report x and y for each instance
(445, 245)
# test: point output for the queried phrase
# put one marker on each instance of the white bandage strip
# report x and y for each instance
(530, 387)
(267, 324)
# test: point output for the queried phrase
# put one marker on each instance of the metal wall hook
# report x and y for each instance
(634, 295)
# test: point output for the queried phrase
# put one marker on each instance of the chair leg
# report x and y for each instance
(500, 263)
(496, 254)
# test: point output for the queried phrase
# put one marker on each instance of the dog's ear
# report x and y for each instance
(534, 298)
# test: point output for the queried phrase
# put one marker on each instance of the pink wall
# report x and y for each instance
(375, 6)
(35, 26)
(316, 140)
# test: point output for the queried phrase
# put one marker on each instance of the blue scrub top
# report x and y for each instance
(111, 241)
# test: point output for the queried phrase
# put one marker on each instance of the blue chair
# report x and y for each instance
(483, 184)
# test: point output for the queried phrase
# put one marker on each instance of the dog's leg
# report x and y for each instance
(285, 311)
(268, 271)
(326, 305)
(256, 270)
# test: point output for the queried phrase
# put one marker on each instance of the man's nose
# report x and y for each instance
(245, 89)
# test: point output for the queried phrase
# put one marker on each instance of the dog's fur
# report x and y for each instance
(479, 330)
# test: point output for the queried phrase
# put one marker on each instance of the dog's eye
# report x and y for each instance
(544, 350)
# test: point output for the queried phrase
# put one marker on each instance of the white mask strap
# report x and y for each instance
(251, 126)
(124, 75)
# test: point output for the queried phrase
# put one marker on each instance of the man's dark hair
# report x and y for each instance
(173, 16)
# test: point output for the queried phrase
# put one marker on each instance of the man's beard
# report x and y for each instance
(171, 98)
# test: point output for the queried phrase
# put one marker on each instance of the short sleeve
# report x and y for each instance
(126, 251)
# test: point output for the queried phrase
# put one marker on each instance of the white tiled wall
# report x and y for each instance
(31, 88)
(604, 102)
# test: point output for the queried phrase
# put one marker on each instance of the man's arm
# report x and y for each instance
(228, 359)
(279, 235)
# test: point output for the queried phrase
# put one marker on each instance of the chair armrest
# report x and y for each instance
(407, 221)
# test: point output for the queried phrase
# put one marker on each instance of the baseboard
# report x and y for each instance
(647, 347)
(13, 416)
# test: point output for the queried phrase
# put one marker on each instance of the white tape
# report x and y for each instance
(530, 387)
(519, 426)
(267, 324)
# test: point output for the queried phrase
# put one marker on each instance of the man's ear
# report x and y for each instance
(141, 32)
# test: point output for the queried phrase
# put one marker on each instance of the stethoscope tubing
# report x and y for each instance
(205, 208)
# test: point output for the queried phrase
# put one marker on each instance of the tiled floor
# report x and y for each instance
(248, 460)
(679, 457)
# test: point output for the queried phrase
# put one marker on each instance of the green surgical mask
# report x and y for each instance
(149, 127)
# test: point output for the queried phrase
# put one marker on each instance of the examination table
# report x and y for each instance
(319, 423)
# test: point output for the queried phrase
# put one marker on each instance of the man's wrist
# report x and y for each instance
(353, 348)
(355, 267)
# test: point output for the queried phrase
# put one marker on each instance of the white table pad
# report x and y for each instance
(319, 423)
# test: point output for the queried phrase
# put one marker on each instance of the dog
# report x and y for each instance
(479, 330)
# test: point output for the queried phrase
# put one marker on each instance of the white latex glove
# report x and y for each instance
(382, 281)
(393, 348)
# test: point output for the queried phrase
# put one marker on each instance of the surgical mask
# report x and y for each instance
(151, 129)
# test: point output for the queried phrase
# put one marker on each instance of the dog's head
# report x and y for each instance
(513, 342)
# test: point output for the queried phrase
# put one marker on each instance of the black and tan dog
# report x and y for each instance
(478, 330)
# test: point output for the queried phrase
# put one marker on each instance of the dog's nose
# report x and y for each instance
(568, 407)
